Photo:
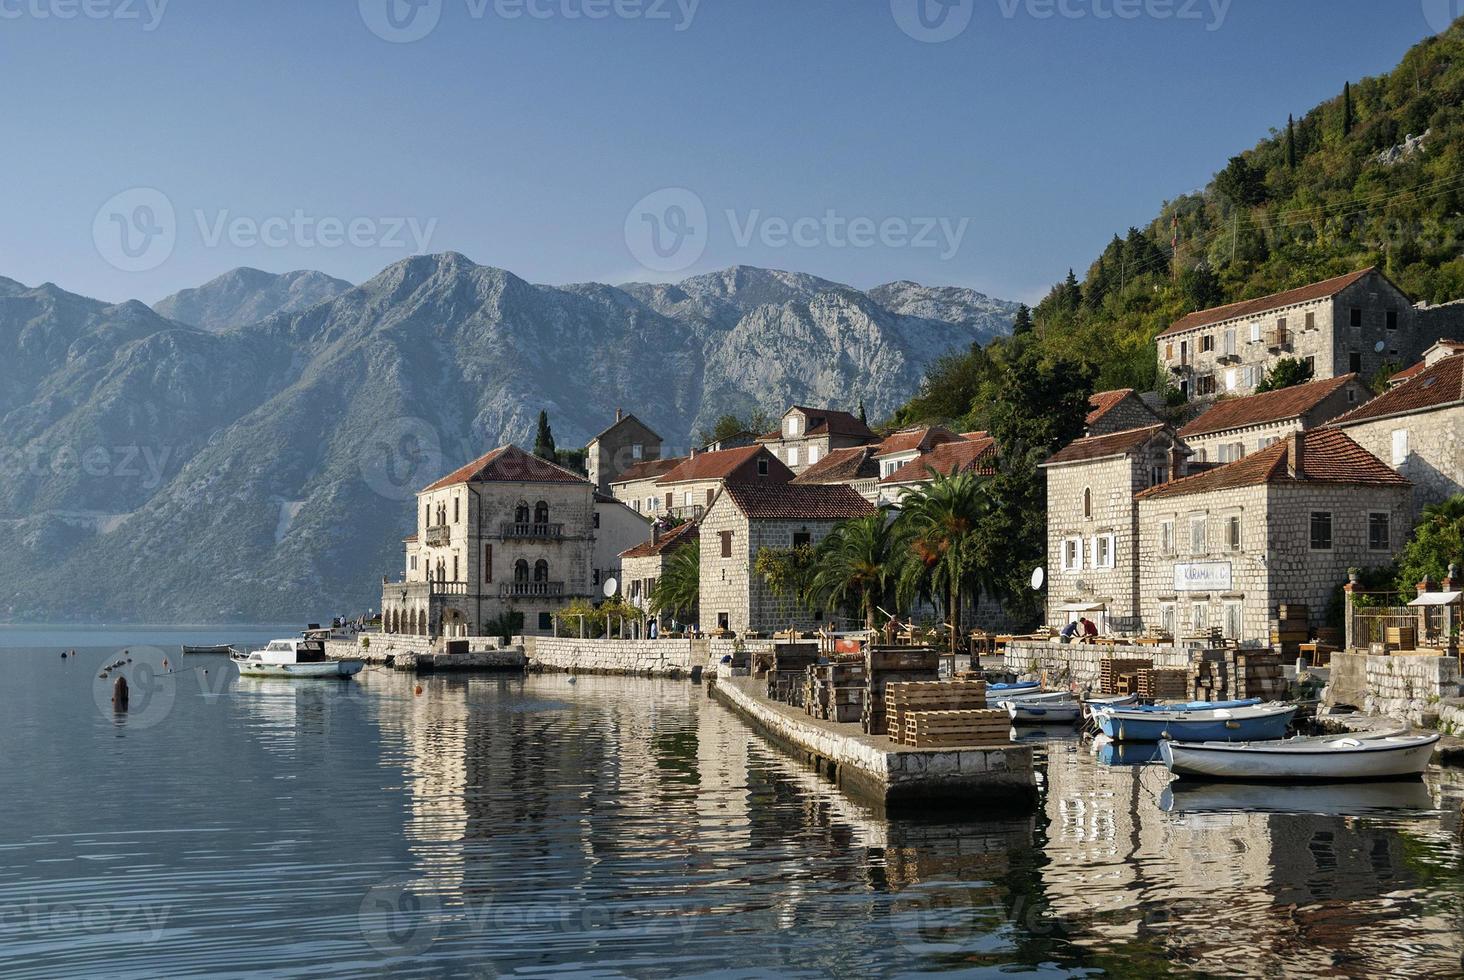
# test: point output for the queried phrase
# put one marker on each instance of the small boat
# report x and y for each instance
(997, 693)
(1039, 712)
(1328, 758)
(1196, 705)
(1325, 799)
(217, 649)
(293, 658)
(1106, 701)
(1250, 723)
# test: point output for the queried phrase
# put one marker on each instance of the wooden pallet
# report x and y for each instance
(948, 729)
(906, 696)
(1110, 670)
(1165, 685)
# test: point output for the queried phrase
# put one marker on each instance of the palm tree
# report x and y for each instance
(856, 568)
(937, 529)
(678, 591)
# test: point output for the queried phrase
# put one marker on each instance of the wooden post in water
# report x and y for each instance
(119, 694)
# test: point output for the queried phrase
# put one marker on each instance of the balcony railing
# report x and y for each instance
(417, 590)
(521, 590)
(533, 530)
(438, 536)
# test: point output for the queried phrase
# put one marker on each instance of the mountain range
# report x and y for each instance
(247, 450)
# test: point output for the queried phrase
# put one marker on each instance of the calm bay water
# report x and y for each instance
(624, 827)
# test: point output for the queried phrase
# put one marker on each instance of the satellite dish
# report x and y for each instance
(611, 587)
(1038, 577)
(1381, 346)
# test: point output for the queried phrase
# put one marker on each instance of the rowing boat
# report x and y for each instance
(1249, 723)
(1328, 758)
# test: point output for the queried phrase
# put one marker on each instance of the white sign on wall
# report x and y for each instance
(1208, 576)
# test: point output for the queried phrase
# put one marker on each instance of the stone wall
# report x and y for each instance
(1080, 663)
(1410, 688)
(654, 658)
(1110, 482)
(1433, 452)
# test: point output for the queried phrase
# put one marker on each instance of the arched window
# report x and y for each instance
(521, 513)
(520, 571)
(1087, 502)
(541, 513)
(541, 571)
(441, 570)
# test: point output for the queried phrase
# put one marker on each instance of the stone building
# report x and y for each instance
(1436, 353)
(643, 566)
(975, 453)
(908, 445)
(807, 435)
(744, 519)
(1117, 411)
(1093, 522)
(507, 533)
(688, 490)
(624, 444)
(1226, 547)
(1353, 324)
(1235, 427)
(638, 486)
(1418, 429)
(617, 527)
(854, 467)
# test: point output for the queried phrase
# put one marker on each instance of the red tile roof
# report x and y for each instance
(669, 541)
(1406, 373)
(946, 459)
(975, 436)
(648, 468)
(825, 421)
(627, 417)
(1104, 402)
(1435, 387)
(1328, 456)
(1265, 304)
(907, 439)
(507, 464)
(842, 466)
(1265, 408)
(728, 464)
(1101, 447)
(792, 502)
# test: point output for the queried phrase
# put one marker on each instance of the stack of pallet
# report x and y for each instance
(1163, 685)
(1259, 675)
(835, 691)
(956, 729)
(1120, 676)
(1293, 628)
(788, 686)
(891, 665)
(902, 697)
(1207, 678)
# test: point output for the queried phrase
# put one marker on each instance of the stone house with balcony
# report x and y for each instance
(643, 565)
(1353, 324)
(1224, 548)
(1117, 411)
(747, 517)
(1417, 427)
(1233, 428)
(626, 443)
(638, 487)
(508, 532)
(855, 467)
(807, 435)
(1093, 522)
(688, 490)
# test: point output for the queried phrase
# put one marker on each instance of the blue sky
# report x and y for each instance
(614, 140)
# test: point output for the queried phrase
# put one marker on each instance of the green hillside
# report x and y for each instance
(1331, 191)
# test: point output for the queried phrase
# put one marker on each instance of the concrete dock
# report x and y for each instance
(426, 661)
(995, 778)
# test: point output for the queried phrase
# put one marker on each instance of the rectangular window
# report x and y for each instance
(1354, 362)
(711, 493)
(1311, 366)
(546, 621)
(1166, 538)
(594, 576)
(1232, 620)
(455, 576)
(1232, 533)
(792, 456)
(726, 537)
(1255, 333)
(1400, 447)
(1072, 555)
(812, 455)
(414, 563)
(1392, 319)
(802, 539)
(1230, 379)
(1207, 343)
(762, 467)
(670, 500)
(1169, 351)
(1356, 317)
(1167, 617)
(1230, 341)
(1199, 542)
(1103, 551)
(1311, 321)
(1321, 530)
(1379, 532)
(792, 426)
(1199, 617)
(487, 563)
(686, 499)
(637, 450)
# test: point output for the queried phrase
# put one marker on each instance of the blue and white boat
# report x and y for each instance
(1033, 711)
(1245, 723)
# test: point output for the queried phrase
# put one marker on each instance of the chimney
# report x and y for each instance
(619, 414)
(655, 532)
(1176, 461)
(1295, 456)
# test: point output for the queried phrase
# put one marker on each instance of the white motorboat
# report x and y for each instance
(1328, 758)
(293, 658)
(1033, 711)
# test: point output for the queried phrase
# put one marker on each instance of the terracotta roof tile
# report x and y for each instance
(1265, 304)
(908, 439)
(1101, 447)
(825, 421)
(792, 502)
(725, 464)
(627, 417)
(507, 464)
(1442, 384)
(669, 541)
(1267, 407)
(1328, 456)
(842, 466)
(1104, 402)
(1408, 372)
(946, 459)
(647, 469)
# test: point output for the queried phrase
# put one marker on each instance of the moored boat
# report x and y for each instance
(293, 658)
(214, 649)
(1042, 712)
(1329, 758)
(1249, 723)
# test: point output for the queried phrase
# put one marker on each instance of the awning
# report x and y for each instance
(1437, 599)
(1085, 607)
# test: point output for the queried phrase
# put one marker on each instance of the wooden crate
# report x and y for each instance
(1109, 671)
(1163, 685)
(880, 659)
(794, 656)
(951, 729)
(906, 696)
(1402, 637)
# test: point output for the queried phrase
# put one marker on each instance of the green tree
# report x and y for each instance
(677, 593)
(854, 567)
(1285, 373)
(505, 627)
(1437, 543)
(1022, 322)
(1242, 183)
(937, 530)
(1290, 142)
(730, 425)
(863, 418)
(1201, 288)
(544, 439)
(1348, 118)
(788, 572)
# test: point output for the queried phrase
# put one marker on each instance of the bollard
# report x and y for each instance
(119, 694)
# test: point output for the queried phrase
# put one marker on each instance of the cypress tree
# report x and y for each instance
(1291, 142)
(544, 446)
(1347, 117)
(863, 419)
